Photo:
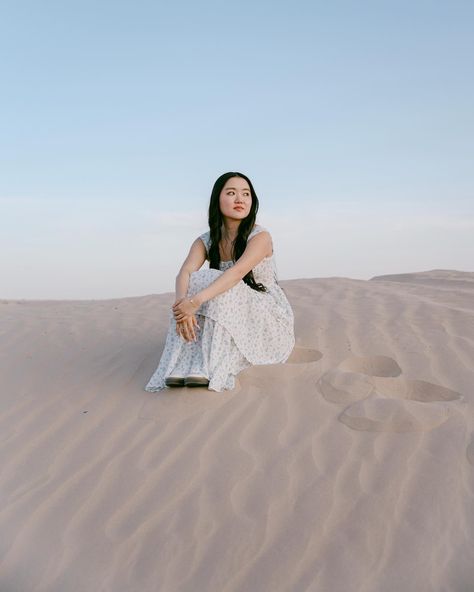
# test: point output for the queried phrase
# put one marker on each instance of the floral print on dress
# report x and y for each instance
(237, 329)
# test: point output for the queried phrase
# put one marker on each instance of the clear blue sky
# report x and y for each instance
(354, 121)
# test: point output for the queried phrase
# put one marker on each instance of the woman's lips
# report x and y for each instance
(238, 208)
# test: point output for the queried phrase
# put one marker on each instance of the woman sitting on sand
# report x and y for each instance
(234, 314)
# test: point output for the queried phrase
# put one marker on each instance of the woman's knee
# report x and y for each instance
(202, 278)
(207, 270)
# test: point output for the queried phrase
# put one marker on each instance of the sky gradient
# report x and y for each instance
(354, 122)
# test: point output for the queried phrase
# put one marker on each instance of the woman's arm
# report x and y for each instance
(256, 250)
(223, 283)
(193, 262)
(182, 284)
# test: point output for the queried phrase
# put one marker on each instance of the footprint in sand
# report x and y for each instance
(377, 414)
(379, 400)
(470, 451)
(301, 361)
(303, 355)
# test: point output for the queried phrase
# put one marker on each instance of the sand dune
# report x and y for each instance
(348, 469)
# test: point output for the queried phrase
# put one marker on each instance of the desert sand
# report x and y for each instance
(350, 468)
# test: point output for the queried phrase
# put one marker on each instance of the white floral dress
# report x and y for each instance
(237, 328)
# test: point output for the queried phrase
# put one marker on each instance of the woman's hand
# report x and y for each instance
(184, 307)
(186, 327)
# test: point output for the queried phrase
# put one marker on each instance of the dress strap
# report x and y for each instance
(206, 238)
(257, 228)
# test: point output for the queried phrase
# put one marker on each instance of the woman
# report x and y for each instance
(234, 314)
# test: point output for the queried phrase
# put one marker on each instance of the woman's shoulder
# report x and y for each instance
(258, 228)
(206, 236)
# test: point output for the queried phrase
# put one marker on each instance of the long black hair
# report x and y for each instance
(245, 228)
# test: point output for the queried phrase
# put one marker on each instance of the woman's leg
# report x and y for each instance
(192, 361)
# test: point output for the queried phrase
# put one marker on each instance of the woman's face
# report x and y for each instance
(234, 195)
